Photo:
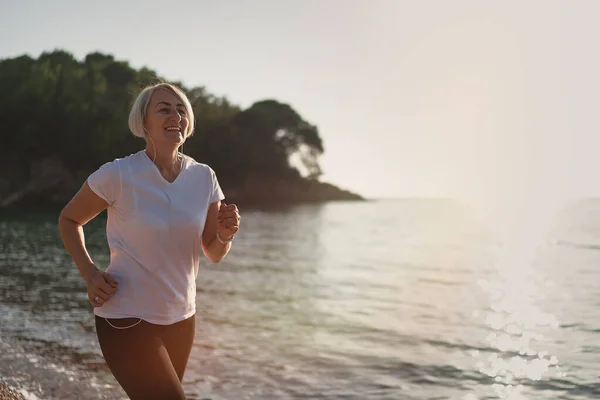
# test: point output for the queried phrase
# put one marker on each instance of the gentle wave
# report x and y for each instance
(418, 311)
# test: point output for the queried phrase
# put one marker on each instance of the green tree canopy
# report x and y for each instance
(77, 111)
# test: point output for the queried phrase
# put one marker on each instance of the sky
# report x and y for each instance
(490, 102)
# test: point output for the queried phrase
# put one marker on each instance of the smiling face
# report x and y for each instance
(166, 121)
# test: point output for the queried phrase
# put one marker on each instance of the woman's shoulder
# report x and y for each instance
(131, 158)
(114, 167)
(193, 164)
(134, 158)
(129, 161)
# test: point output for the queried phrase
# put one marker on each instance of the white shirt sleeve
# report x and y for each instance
(106, 182)
(217, 193)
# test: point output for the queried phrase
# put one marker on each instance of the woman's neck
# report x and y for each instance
(167, 162)
(162, 158)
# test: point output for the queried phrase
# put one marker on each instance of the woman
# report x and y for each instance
(163, 207)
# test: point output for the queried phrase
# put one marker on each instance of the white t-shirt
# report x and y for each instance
(154, 232)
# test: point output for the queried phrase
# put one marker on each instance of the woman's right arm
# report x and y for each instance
(82, 208)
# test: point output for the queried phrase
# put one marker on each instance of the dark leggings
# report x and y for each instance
(147, 360)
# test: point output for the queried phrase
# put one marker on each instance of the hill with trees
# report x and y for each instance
(63, 118)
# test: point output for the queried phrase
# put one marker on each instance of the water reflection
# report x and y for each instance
(518, 325)
(381, 300)
(258, 318)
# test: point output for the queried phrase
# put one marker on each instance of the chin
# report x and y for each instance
(174, 139)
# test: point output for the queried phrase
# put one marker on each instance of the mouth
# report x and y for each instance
(173, 128)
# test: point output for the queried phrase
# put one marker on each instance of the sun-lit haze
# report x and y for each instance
(493, 103)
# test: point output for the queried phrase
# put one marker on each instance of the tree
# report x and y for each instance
(272, 133)
(78, 112)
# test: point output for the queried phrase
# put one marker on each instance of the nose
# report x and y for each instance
(177, 115)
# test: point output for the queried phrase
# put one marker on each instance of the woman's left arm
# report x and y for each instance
(222, 223)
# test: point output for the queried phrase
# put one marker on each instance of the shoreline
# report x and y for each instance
(37, 373)
(7, 392)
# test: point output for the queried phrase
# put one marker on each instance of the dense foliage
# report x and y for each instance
(77, 111)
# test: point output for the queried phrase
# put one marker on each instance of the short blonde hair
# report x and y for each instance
(137, 115)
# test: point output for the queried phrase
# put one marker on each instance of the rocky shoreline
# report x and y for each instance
(49, 182)
(37, 370)
(8, 393)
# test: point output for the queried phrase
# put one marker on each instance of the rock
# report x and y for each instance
(8, 393)
(45, 176)
(266, 191)
(48, 181)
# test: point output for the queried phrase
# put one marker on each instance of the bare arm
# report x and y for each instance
(82, 208)
(214, 250)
